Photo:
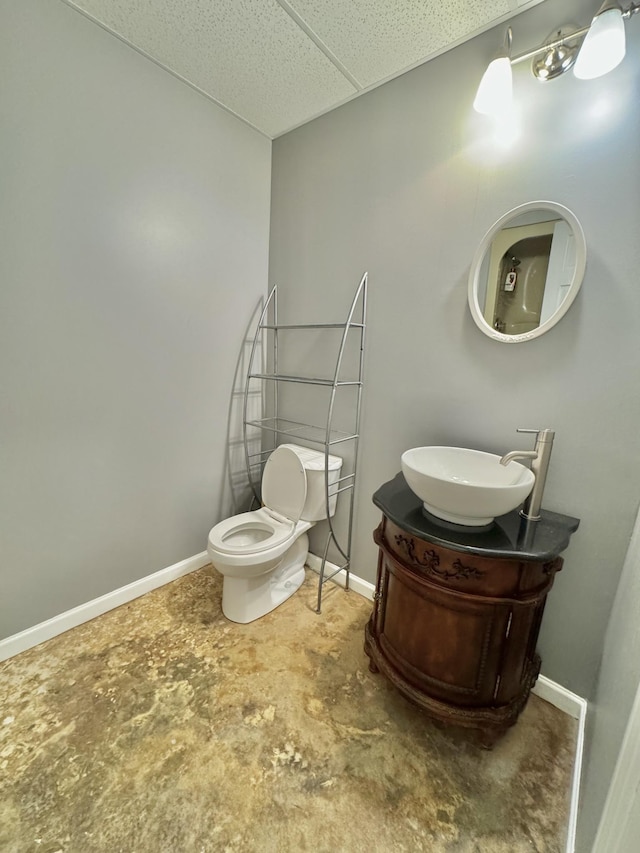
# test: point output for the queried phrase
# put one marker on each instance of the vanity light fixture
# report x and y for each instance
(592, 51)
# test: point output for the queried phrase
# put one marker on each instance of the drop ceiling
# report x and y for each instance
(277, 64)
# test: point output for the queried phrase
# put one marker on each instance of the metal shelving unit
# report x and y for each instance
(267, 340)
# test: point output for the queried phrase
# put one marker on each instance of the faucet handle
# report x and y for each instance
(541, 434)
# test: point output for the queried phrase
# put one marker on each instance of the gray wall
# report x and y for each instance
(135, 223)
(404, 182)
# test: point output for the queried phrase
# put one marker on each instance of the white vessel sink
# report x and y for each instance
(465, 486)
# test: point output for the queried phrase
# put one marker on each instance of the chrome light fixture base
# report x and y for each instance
(560, 53)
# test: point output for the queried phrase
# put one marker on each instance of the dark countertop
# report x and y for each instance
(508, 536)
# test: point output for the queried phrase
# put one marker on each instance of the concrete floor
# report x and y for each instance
(161, 726)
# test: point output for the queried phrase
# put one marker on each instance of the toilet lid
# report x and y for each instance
(284, 483)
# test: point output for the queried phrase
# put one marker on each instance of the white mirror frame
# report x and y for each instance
(576, 281)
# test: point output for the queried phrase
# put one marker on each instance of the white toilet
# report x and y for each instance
(261, 554)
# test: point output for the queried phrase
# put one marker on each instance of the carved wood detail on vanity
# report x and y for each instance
(455, 632)
(431, 561)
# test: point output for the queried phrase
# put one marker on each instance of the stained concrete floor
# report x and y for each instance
(161, 726)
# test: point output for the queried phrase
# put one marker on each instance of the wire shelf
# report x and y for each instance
(324, 435)
(302, 431)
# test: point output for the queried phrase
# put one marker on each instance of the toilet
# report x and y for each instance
(261, 554)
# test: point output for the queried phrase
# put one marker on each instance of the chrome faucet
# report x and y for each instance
(539, 465)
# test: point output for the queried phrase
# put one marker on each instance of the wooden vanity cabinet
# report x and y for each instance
(455, 631)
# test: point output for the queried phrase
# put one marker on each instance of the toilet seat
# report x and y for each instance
(251, 532)
(284, 494)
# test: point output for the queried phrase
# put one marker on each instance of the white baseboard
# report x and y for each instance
(362, 587)
(84, 612)
(560, 697)
(576, 707)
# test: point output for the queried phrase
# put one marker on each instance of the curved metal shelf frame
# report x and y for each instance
(322, 434)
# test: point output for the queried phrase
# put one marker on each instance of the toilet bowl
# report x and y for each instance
(261, 554)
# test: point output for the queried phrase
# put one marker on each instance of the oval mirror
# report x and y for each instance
(527, 271)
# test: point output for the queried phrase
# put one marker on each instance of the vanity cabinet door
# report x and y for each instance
(447, 644)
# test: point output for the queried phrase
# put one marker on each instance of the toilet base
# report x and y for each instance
(247, 599)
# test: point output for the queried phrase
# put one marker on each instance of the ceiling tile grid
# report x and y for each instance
(375, 39)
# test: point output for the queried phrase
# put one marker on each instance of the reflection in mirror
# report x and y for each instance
(527, 271)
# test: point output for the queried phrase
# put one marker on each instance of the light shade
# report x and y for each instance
(603, 47)
(495, 92)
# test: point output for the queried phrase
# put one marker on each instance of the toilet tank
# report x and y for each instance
(313, 462)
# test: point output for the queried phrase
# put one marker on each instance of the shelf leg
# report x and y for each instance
(321, 579)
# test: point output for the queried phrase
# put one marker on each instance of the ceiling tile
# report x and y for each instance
(249, 55)
(376, 39)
